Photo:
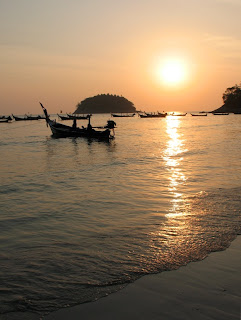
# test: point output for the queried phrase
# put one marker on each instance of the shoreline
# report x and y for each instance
(207, 289)
(203, 290)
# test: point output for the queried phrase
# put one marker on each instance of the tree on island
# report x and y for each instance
(105, 103)
(232, 100)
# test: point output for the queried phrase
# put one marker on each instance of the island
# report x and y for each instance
(232, 100)
(105, 103)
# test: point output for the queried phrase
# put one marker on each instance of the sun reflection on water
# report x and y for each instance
(173, 158)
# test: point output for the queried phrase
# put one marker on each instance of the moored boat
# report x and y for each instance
(220, 113)
(73, 116)
(63, 117)
(16, 118)
(152, 115)
(5, 120)
(5, 117)
(33, 117)
(178, 114)
(63, 131)
(122, 115)
(199, 114)
(26, 118)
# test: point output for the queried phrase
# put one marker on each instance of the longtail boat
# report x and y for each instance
(73, 116)
(19, 118)
(122, 115)
(63, 117)
(62, 131)
(33, 117)
(4, 120)
(220, 113)
(152, 115)
(26, 117)
(178, 114)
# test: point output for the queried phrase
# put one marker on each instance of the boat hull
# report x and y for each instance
(123, 115)
(64, 117)
(27, 118)
(62, 131)
(160, 115)
(72, 117)
(178, 114)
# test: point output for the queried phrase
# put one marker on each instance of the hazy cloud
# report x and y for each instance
(235, 2)
(228, 46)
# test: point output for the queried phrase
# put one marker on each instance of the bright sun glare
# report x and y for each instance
(172, 72)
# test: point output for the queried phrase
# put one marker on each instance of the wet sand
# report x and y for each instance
(207, 289)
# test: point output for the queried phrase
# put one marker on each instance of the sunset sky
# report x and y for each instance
(161, 55)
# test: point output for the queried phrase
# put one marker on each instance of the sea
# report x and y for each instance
(80, 219)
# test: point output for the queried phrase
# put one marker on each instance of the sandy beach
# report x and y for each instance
(207, 289)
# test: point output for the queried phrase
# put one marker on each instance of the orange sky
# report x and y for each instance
(61, 52)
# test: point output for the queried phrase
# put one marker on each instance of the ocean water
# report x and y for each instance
(80, 219)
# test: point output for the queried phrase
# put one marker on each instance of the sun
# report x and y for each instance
(172, 72)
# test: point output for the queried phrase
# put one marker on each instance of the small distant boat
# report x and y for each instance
(19, 118)
(5, 120)
(152, 115)
(26, 117)
(220, 113)
(178, 114)
(5, 117)
(122, 115)
(62, 131)
(73, 116)
(63, 117)
(33, 117)
(41, 117)
(199, 114)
